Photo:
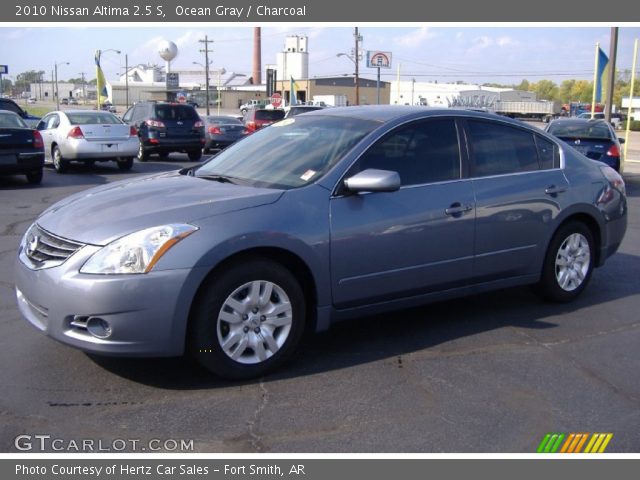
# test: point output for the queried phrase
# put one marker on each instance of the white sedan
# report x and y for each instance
(87, 136)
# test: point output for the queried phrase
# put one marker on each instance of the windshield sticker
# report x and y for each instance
(308, 175)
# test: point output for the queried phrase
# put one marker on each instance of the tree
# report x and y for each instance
(75, 81)
(524, 85)
(6, 85)
(545, 90)
(25, 79)
(581, 91)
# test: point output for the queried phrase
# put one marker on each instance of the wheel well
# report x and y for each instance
(593, 227)
(289, 260)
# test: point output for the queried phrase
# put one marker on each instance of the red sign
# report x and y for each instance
(276, 100)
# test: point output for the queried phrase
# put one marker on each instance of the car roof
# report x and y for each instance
(389, 113)
(579, 121)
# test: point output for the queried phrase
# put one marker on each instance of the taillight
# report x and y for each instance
(613, 151)
(614, 178)
(76, 133)
(154, 123)
(37, 140)
(214, 130)
(198, 124)
(133, 131)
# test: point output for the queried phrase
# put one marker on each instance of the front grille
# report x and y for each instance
(45, 250)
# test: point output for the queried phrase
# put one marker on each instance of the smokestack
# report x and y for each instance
(257, 57)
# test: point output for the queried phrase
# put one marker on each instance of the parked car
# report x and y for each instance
(87, 136)
(64, 101)
(74, 101)
(108, 107)
(325, 216)
(32, 100)
(10, 105)
(222, 131)
(293, 110)
(258, 118)
(21, 148)
(617, 119)
(252, 104)
(166, 127)
(593, 138)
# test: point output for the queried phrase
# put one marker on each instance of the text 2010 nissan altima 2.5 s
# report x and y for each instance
(329, 215)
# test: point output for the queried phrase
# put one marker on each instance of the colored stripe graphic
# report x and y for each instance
(573, 443)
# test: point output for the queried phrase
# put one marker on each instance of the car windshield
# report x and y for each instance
(271, 115)
(580, 130)
(288, 154)
(223, 121)
(11, 120)
(176, 112)
(93, 118)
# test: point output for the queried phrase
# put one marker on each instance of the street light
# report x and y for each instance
(98, 85)
(206, 81)
(56, 83)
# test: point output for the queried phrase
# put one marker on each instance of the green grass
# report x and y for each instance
(38, 111)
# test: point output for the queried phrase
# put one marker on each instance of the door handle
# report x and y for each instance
(553, 190)
(457, 209)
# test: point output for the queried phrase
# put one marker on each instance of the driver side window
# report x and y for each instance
(422, 152)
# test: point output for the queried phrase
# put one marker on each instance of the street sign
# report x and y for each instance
(271, 81)
(4, 69)
(173, 80)
(276, 100)
(181, 97)
(378, 59)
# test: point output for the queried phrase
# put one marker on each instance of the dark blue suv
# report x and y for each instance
(166, 127)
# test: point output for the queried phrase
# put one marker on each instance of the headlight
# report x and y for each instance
(137, 252)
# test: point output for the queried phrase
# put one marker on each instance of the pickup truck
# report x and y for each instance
(245, 107)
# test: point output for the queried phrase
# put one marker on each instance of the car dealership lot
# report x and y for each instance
(487, 373)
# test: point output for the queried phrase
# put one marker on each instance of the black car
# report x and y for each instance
(8, 104)
(166, 127)
(595, 139)
(222, 131)
(21, 148)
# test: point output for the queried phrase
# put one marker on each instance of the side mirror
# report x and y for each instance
(372, 180)
(621, 140)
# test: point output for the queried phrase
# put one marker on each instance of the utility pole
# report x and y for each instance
(356, 58)
(613, 48)
(84, 92)
(206, 52)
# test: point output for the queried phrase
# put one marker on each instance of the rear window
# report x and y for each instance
(271, 115)
(8, 120)
(93, 118)
(223, 121)
(597, 130)
(176, 112)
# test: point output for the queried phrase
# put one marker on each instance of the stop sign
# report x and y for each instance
(276, 100)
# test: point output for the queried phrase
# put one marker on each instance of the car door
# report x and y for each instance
(416, 240)
(47, 127)
(519, 189)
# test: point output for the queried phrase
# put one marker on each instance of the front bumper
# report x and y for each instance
(147, 313)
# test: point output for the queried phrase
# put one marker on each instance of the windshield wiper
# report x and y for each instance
(220, 178)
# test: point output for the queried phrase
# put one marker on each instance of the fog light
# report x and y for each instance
(99, 327)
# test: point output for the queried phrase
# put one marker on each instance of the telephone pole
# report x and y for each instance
(206, 52)
(84, 92)
(356, 58)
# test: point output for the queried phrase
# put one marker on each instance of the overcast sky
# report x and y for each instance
(473, 54)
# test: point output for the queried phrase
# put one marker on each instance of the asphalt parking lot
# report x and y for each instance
(491, 373)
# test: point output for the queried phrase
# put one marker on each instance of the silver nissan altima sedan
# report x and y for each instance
(321, 217)
(87, 136)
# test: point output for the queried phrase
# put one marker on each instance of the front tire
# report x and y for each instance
(568, 263)
(143, 155)
(247, 320)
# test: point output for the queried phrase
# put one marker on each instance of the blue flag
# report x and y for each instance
(603, 60)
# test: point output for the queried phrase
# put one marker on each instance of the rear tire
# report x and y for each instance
(34, 177)
(143, 155)
(60, 164)
(195, 155)
(125, 164)
(568, 263)
(247, 320)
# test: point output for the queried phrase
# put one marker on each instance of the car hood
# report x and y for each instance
(103, 214)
